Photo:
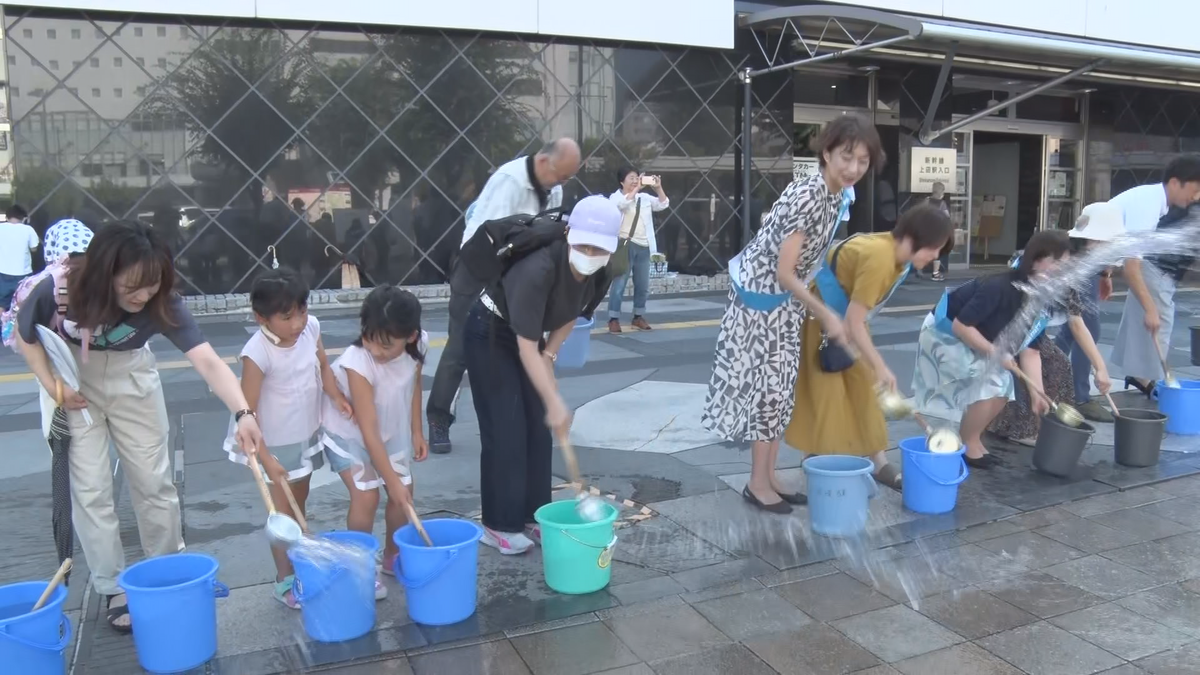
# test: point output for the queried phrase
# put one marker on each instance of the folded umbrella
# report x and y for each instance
(58, 436)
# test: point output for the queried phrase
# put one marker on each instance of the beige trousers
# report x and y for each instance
(125, 400)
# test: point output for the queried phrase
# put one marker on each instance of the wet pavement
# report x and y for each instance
(1030, 573)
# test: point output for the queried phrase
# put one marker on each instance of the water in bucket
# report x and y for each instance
(335, 584)
(931, 479)
(840, 488)
(33, 643)
(173, 610)
(440, 581)
(576, 553)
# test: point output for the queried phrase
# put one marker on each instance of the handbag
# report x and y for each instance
(350, 277)
(833, 357)
(618, 262)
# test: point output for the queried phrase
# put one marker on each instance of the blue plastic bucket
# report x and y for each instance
(337, 600)
(1181, 405)
(441, 582)
(173, 609)
(931, 479)
(33, 643)
(574, 350)
(840, 488)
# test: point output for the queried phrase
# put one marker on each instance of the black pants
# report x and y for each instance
(514, 465)
(446, 381)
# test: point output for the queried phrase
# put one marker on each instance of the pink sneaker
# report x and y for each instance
(508, 543)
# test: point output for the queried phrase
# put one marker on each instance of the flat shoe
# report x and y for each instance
(793, 498)
(781, 508)
(985, 462)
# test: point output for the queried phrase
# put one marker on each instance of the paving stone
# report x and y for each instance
(1032, 550)
(1046, 517)
(1127, 669)
(973, 613)
(722, 573)
(906, 580)
(1139, 523)
(1045, 649)
(1115, 501)
(999, 528)
(1042, 595)
(956, 660)
(1183, 661)
(974, 564)
(667, 632)
(1103, 577)
(1180, 510)
(815, 650)
(1120, 631)
(798, 574)
(646, 590)
(1182, 487)
(1188, 544)
(1173, 606)
(578, 650)
(719, 661)
(896, 633)
(833, 597)
(390, 667)
(1163, 564)
(742, 617)
(636, 669)
(481, 659)
(736, 588)
(879, 670)
(1088, 536)
(926, 546)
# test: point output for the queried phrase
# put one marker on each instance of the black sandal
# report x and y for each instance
(113, 613)
(796, 498)
(889, 475)
(781, 508)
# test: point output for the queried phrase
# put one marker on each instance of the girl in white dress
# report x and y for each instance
(284, 370)
(381, 374)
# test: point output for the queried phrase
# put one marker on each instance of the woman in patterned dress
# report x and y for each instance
(751, 392)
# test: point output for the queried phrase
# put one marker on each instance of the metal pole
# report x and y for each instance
(928, 138)
(747, 105)
(831, 56)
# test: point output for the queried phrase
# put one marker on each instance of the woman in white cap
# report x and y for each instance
(511, 367)
(1061, 374)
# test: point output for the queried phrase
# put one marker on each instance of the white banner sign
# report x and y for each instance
(934, 165)
(803, 167)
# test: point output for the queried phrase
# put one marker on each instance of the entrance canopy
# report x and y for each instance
(825, 30)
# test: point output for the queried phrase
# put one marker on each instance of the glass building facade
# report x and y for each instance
(249, 141)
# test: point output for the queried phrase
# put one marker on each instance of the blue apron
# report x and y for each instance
(768, 302)
(834, 296)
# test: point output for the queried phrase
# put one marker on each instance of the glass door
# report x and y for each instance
(1062, 176)
(960, 202)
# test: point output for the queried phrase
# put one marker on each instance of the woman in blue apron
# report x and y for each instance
(1098, 223)
(837, 410)
(750, 394)
(955, 377)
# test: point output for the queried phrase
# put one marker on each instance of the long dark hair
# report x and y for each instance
(117, 247)
(392, 313)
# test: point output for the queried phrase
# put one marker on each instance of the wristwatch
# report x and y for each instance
(237, 416)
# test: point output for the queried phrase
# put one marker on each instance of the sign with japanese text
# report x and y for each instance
(934, 165)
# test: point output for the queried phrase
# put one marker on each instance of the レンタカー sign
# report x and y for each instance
(934, 165)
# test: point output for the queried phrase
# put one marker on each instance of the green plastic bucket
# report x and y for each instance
(576, 554)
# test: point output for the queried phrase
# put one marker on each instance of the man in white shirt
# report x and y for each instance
(18, 241)
(530, 184)
(1149, 312)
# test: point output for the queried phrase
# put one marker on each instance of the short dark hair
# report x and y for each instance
(117, 247)
(1184, 168)
(278, 291)
(16, 212)
(623, 173)
(391, 313)
(925, 225)
(1042, 245)
(849, 130)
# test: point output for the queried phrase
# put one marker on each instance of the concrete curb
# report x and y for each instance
(433, 295)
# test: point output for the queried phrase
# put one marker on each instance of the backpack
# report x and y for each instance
(56, 270)
(498, 244)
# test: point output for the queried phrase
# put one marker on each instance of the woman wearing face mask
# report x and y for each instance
(119, 295)
(510, 363)
(956, 378)
(751, 392)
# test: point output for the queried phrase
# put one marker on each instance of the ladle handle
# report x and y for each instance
(1162, 358)
(416, 521)
(1034, 388)
(252, 460)
(54, 582)
(921, 421)
(1115, 410)
(570, 460)
(296, 510)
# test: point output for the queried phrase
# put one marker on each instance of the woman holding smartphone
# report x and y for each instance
(637, 239)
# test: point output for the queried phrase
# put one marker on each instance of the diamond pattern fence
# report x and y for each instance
(245, 141)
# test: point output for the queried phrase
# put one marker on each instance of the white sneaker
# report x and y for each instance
(380, 589)
(508, 543)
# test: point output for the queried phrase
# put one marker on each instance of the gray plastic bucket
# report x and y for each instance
(1059, 446)
(1195, 331)
(1138, 437)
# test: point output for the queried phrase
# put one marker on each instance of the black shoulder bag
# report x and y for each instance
(833, 357)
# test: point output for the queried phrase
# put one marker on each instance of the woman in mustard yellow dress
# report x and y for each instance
(837, 413)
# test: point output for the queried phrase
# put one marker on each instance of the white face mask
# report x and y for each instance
(587, 265)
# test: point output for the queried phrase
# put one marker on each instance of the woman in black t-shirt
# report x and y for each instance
(119, 295)
(955, 379)
(510, 364)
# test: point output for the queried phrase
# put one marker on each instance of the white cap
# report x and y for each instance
(1101, 221)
